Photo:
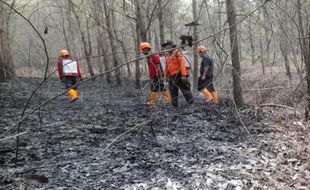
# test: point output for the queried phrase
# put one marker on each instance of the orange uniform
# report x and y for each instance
(176, 73)
(175, 64)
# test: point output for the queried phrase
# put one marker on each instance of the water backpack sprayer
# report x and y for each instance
(186, 39)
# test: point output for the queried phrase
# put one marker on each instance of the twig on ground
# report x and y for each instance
(10, 137)
(276, 105)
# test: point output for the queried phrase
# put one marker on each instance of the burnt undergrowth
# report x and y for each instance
(109, 139)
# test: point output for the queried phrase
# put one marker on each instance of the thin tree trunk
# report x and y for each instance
(140, 19)
(286, 60)
(252, 46)
(284, 51)
(89, 43)
(307, 58)
(85, 45)
(304, 53)
(105, 59)
(195, 18)
(236, 73)
(102, 48)
(261, 47)
(157, 41)
(6, 65)
(267, 42)
(112, 44)
(73, 47)
(121, 42)
(138, 70)
(161, 23)
(64, 30)
(141, 37)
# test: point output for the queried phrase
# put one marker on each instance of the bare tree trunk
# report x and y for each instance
(121, 42)
(252, 42)
(236, 73)
(161, 23)
(195, 18)
(307, 115)
(64, 30)
(284, 51)
(85, 45)
(157, 41)
(105, 59)
(140, 20)
(112, 44)
(102, 48)
(304, 53)
(141, 36)
(171, 19)
(267, 36)
(261, 47)
(73, 47)
(138, 70)
(90, 49)
(6, 65)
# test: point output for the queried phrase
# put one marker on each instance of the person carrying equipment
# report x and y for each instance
(187, 62)
(176, 74)
(155, 74)
(162, 56)
(205, 80)
(69, 73)
(186, 40)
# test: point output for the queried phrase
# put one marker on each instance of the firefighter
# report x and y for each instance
(69, 73)
(187, 62)
(186, 40)
(205, 80)
(162, 55)
(176, 74)
(155, 74)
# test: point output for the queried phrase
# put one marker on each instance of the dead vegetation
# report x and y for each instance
(106, 141)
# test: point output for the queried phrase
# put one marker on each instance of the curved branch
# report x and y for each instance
(36, 31)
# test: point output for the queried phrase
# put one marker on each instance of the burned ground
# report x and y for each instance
(109, 140)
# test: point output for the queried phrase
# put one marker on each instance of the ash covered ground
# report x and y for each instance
(109, 140)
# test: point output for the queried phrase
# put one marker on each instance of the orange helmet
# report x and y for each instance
(64, 53)
(200, 49)
(144, 45)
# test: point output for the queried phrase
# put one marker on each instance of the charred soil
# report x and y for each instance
(109, 139)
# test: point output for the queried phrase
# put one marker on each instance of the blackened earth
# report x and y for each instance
(109, 139)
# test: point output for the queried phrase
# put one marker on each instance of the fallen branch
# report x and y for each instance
(258, 89)
(36, 31)
(276, 105)
(11, 137)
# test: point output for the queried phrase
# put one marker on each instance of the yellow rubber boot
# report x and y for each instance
(153, 99)
(73, 95)
(215, 96)
(207, 94)
(166, 96)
